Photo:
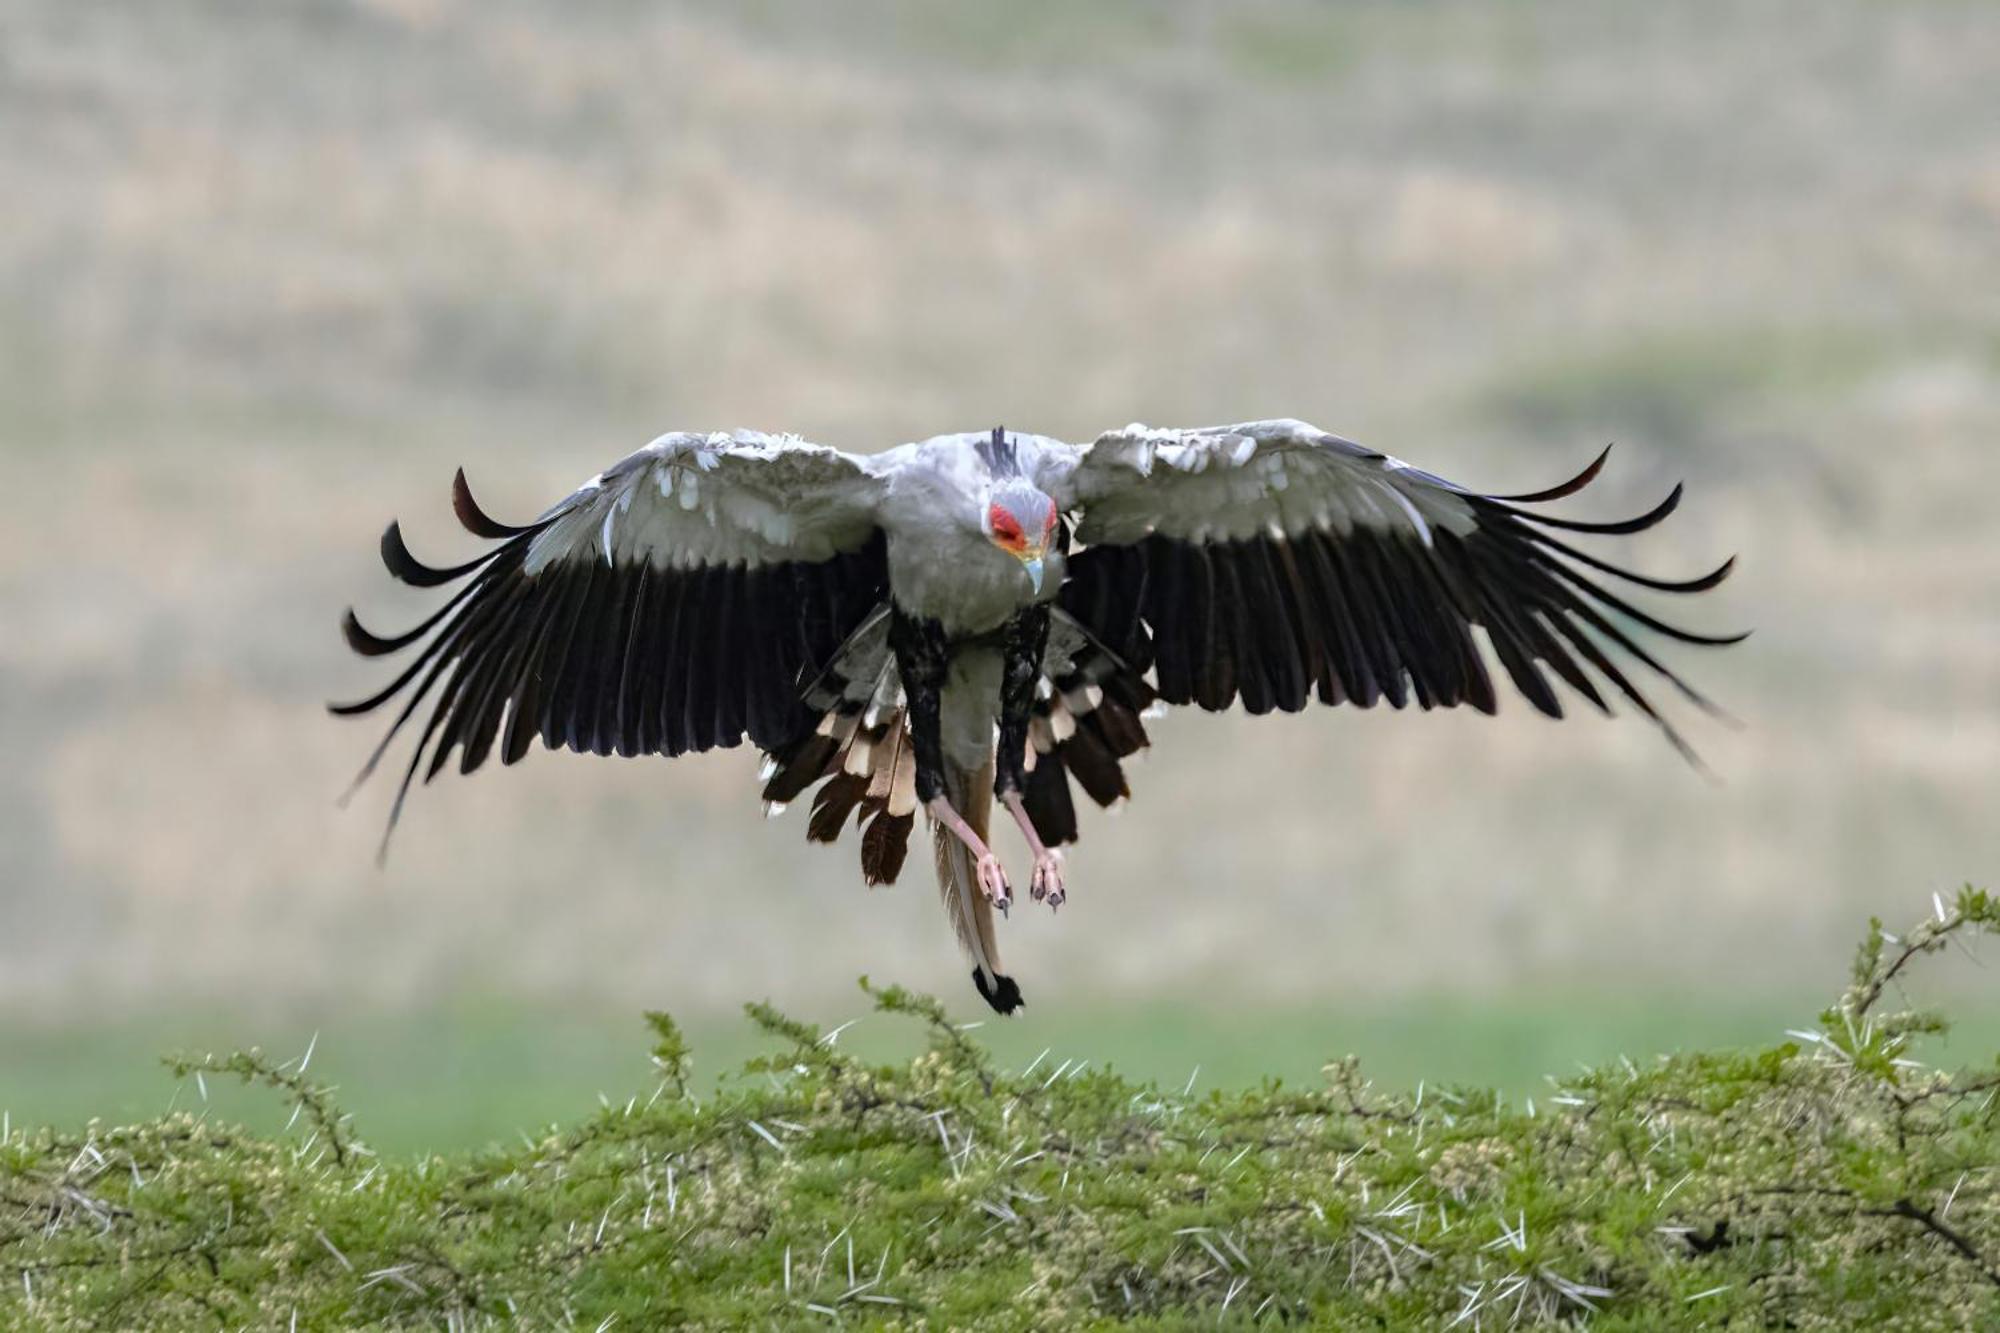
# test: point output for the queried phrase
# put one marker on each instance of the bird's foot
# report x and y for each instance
(1046, 884)
(986, 866)
(993, 882)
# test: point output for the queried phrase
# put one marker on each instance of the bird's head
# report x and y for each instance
(1021, 521)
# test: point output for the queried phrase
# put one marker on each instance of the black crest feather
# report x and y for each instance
(998, 452)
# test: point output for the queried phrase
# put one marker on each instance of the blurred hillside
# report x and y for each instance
(269, 272)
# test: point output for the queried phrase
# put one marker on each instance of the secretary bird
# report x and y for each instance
(985, 617)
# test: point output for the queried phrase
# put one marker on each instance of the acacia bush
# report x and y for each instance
(1831, 1181)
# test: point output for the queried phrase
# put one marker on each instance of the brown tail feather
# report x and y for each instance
(971, 794)
(884, 846)
(872, 771)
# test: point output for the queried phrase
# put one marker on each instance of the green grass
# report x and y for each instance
(476, 1074)
(1829, 1181)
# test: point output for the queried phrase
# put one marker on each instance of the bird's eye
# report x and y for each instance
(1004, 525)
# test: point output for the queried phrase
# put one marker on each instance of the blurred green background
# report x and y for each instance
(268, 272)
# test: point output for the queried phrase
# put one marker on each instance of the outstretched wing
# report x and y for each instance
(678, 601)
(1273, 561)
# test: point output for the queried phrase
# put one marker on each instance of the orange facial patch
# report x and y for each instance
(1006, 532)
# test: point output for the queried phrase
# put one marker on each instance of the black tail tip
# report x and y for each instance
(1002, 994)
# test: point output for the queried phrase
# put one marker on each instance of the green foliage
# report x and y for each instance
(671, 1055)
(1831, 1181)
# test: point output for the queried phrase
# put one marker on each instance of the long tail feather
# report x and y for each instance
(971, 794)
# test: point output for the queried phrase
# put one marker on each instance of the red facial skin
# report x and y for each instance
(1007, 534)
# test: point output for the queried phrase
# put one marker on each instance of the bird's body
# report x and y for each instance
(983, 618)
(942, 566)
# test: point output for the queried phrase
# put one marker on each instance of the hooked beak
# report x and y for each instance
(1033, 564)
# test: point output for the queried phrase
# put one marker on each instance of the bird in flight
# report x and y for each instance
(985, 618)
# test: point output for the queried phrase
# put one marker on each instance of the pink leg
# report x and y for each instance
(992, 879)
(1047, 882)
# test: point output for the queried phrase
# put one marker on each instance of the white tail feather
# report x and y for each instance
(971, 794)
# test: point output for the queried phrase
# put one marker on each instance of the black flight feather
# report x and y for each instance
(1625, 527)
(474, 518)
(407, 568)
(1567, 488)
